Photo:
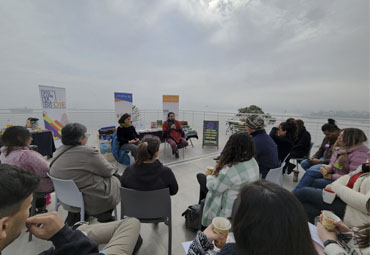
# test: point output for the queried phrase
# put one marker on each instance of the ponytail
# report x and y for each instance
(146, 150)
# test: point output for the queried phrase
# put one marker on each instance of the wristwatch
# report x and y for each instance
(327, 242)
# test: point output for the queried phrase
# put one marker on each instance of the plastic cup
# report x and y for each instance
(328, 196)
(327, 220)
(210, 170)
(221, 226)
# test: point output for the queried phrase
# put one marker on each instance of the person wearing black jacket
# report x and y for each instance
(284, 136)
(126, 134)
(120, 236)
(148, 173)
(302, 145)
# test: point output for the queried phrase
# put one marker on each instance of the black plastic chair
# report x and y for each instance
(148, 207)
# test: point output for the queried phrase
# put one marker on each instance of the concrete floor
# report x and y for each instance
(156, 238)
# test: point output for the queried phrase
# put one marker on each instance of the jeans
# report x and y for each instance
(130, 147)
(183, 143)
(305, 164)
(307, 179)
(313, 203)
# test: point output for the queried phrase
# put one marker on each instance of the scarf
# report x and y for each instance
(126, 125)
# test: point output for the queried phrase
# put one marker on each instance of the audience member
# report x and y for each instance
(172, 131)
(302, 145)
(263, 224)
(16, 151)
(352, 202)
(349, 153)
(235, 168)
(323, 155)
(266, 149)
(90, 171)
(345, 241)
(284, 136)
(119, 236)
(126, 134)
(148, 173)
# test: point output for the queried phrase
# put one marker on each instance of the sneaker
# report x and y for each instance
(177, 154)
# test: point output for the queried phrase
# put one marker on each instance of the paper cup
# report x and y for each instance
(328, 196)
(210, 170)
(327, 220)
(221, 226)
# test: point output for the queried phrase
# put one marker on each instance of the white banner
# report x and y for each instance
(54, 105)
(122, 103)
(170, 104)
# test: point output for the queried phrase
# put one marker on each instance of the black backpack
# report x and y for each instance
(193, 217)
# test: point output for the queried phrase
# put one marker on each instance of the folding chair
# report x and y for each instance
(148, 207)
(36, 195)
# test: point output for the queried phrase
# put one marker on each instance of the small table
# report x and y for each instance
(152, 131)
(44, 141)
(191, 134)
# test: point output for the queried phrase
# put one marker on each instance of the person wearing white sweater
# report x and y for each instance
(352, 202)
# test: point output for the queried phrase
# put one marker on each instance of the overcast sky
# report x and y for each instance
(282, 55)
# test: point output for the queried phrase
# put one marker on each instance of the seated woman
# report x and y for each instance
(349, 153)
(263, 224)
(126, 134)
(16, 151)
(148, 173)
(344, 240)
(352, 198)
(323, 155)
(235, 168)
(303, 142)
(90, 171)
(284, 136)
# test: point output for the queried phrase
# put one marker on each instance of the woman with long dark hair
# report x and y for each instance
(263, 225)
(148, 173)
(235, 168)
(284, 136)
(16, 151)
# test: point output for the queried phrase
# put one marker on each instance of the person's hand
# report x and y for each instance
(328, 176)
(341, 227)
(211, 235)
(173, 126)
(314, 161)
(132, 141)
(325, 234)
(329, 187)
(136, 140)
(45, 226)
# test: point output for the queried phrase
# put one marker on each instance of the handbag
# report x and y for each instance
(193, 216)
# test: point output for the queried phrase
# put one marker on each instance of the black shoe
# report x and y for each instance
(177, 154)
(138, 245)
(41, 210)
(290, 168)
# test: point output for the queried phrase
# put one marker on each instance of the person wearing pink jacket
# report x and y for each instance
(349, 152)
(16, 151)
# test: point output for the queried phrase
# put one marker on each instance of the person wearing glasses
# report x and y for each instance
(90, 171)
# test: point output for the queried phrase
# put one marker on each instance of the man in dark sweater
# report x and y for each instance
(266, 149)
(16, 189)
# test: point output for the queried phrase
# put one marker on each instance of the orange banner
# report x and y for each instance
(170, 99)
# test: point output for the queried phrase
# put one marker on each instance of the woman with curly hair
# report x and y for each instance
(284, 136)
(235, 168)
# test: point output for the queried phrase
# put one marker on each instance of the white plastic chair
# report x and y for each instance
(67, 192)
(275, 175)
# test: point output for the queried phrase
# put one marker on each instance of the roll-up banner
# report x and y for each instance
(54, 109)
(122, 103)
(170, 104)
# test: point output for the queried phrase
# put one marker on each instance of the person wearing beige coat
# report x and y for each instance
(90, 171)
(352, 202)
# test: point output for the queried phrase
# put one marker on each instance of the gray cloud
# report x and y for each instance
(289, 55)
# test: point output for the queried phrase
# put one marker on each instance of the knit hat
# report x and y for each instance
(255, 122)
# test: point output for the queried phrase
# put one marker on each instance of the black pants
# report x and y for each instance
(72, 217)
(202, 180)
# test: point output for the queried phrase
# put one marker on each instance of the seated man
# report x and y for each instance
(15, 202)
(323, 155)
(172, 131)
(266, 149)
